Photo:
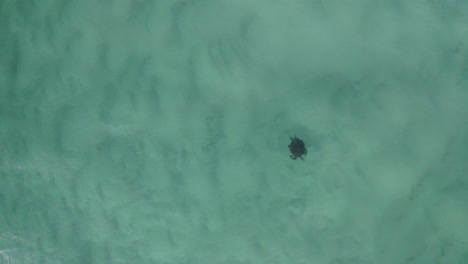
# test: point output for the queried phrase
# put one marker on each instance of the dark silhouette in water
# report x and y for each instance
(297, 148)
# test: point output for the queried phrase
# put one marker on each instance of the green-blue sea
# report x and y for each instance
(157, 131)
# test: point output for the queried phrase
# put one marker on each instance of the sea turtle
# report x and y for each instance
(297, 148)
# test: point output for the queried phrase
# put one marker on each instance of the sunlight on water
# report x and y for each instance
(157, 131)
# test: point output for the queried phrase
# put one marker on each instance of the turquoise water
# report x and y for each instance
(153, 131)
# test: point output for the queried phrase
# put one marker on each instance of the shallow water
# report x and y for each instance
(157, 131)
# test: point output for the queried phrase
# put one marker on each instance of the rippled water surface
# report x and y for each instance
(156, 131)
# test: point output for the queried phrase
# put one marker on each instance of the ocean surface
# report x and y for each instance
(157, 131)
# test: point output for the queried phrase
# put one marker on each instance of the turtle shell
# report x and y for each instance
(297, 148)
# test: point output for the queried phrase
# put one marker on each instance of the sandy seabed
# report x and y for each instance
(151, 131)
